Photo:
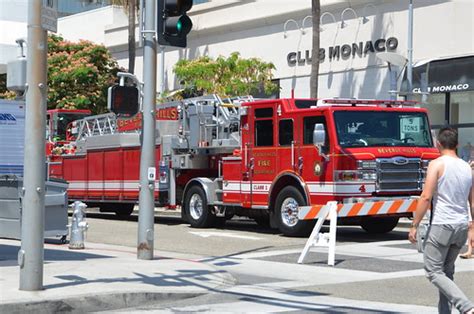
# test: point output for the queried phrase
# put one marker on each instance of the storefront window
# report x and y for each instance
(466, 143)
(462, 116)
(462, 108)
(436, 108)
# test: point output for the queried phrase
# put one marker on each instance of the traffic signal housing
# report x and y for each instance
(123, 100)
(173, 23)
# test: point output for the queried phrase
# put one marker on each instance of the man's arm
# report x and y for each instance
(424, 201)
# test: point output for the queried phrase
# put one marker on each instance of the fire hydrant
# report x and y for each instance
(78, 225)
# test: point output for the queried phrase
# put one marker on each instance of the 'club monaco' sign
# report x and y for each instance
(344, 52)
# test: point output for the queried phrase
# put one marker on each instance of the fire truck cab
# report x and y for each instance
(297, 152)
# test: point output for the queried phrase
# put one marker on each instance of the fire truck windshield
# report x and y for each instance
(377, 128)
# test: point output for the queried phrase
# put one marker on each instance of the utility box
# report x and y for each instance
(16, 75)
(56, 201)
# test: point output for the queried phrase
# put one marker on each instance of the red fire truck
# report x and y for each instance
(261, 159)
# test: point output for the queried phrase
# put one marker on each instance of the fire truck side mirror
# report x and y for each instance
(319, 138)
(123, 100)
(319, 135)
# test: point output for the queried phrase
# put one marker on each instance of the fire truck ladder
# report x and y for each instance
(210, 122)
(96, 125)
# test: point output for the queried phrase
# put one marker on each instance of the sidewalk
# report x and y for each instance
(103, 277)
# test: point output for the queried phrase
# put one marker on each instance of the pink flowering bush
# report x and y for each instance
(79, 74)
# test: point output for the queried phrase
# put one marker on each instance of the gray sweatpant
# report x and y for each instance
(442, 247)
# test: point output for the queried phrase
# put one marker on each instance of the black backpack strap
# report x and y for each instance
(432, 211)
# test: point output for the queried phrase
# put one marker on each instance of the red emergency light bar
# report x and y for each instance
(369, 102)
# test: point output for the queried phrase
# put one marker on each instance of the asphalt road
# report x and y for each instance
(237, 236)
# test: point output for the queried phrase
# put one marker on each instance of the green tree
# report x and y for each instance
(79, 74)
(316, 14)
(230, 76)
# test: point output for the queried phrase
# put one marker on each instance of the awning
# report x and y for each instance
(442, 75)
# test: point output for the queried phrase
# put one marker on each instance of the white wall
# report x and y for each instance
(13, 19)
(441, 28)
(91, 25)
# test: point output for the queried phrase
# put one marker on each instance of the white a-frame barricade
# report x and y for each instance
(318, 239)
(333, 210)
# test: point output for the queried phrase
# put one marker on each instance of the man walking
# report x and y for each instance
(449, 181)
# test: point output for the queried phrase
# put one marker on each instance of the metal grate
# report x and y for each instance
(399, 174)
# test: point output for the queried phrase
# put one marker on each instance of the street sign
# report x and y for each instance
(49, 19)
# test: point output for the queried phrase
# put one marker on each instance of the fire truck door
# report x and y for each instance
(263, 155)
(311, 165)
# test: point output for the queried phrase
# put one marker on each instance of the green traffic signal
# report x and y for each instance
(179, 26)
(173, 22)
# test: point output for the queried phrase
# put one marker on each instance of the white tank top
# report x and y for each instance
(451, 198)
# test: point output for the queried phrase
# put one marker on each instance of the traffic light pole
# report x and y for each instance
(146, 217)
(162, 71)
(31, 255)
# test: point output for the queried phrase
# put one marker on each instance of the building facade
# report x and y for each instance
(352, 34)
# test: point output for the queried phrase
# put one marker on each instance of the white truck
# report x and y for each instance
(12, 133)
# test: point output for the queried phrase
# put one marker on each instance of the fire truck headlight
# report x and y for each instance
(369, 175)
(355, 175)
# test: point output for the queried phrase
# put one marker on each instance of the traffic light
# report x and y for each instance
(123, 100)
(173, 23)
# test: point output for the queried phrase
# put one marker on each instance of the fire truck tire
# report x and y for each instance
(379, 225)
(197, 211)
(286, 212)
(263, 221)
(123, 210)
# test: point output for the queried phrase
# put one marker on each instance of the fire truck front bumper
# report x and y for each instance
(363, 207)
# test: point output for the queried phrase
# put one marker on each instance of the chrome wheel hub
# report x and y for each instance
(289, 212)
(195, 206)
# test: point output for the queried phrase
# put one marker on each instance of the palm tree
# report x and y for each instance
(313, 82)
(131, 7)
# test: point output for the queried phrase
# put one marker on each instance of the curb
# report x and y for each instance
(92, 303)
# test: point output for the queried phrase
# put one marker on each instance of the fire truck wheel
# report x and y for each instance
(197, 212)
(379, 224)
(286, 211)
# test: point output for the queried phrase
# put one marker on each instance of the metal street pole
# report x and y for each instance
(31, 255)
(162, 70)
(410, 51)
(146, 216)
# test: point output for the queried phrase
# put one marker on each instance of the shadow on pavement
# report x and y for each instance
(181, 279)
(9, 255)
(356, 234)
(298, 304)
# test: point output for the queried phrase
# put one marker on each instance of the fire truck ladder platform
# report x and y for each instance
(333, 210)
(207, 123)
